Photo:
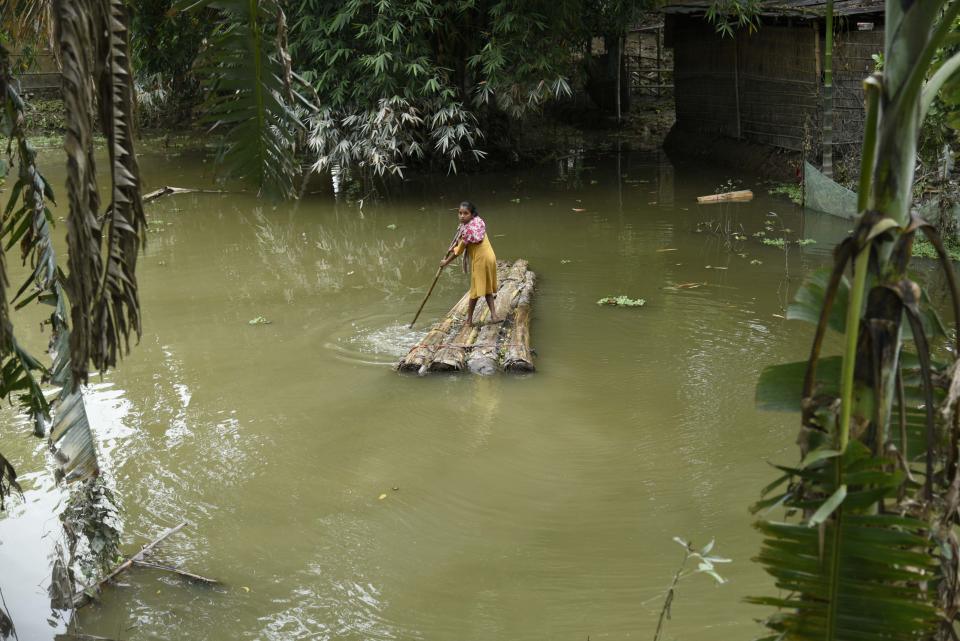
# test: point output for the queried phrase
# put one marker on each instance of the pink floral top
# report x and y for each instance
(474, 231)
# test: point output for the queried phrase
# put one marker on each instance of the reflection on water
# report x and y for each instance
(337, 500)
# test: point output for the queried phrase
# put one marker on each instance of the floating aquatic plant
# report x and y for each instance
(622, 301)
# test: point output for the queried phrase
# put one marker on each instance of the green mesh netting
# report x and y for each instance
(822, 194)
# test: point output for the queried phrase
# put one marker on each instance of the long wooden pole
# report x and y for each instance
(453, 244)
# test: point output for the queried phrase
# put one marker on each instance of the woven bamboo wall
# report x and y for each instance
(778, 85)
(773, 78)
(852, 62)
(703, 72)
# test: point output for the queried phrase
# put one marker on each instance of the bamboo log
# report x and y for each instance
(517, 355)
(420, 356)
(738, 196)
(483, 358)
(453, 356)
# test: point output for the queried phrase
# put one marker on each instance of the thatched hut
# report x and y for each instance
(767, 86)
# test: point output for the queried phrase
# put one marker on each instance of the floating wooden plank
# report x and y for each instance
(729, 196)
(452, 345)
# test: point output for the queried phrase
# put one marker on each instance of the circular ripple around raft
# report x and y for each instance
(378, 339)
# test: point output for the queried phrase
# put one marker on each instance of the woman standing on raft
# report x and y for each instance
(483, 262)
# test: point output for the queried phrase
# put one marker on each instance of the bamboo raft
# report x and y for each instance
(453, 346)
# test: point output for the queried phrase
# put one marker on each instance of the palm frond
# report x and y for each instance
(27, 222)
(249, 98)
(26, 20)
(76, 30)
(850, 572)
(116, 311)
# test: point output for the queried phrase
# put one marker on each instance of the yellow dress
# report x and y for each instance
(483, 267)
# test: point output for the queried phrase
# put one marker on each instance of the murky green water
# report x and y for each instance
(541, 507)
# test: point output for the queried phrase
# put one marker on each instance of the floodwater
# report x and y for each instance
(336, 499)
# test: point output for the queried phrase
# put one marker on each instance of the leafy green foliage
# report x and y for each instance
(413, 81)
(922, 248)
(727, 16)
(780, 386)
(792, 191)
(943, 116)
(164, 45)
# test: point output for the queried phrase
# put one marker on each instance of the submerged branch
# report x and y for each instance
(84, 596)
(169, 568)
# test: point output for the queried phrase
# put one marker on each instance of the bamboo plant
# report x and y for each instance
(868, 548)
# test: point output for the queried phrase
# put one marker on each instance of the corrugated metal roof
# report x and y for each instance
(787, 8)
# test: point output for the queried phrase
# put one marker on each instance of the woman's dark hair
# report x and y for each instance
(469, 206)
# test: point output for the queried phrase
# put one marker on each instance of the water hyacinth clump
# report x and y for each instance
(622, 301)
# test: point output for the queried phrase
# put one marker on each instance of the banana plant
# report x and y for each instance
(867, 548)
